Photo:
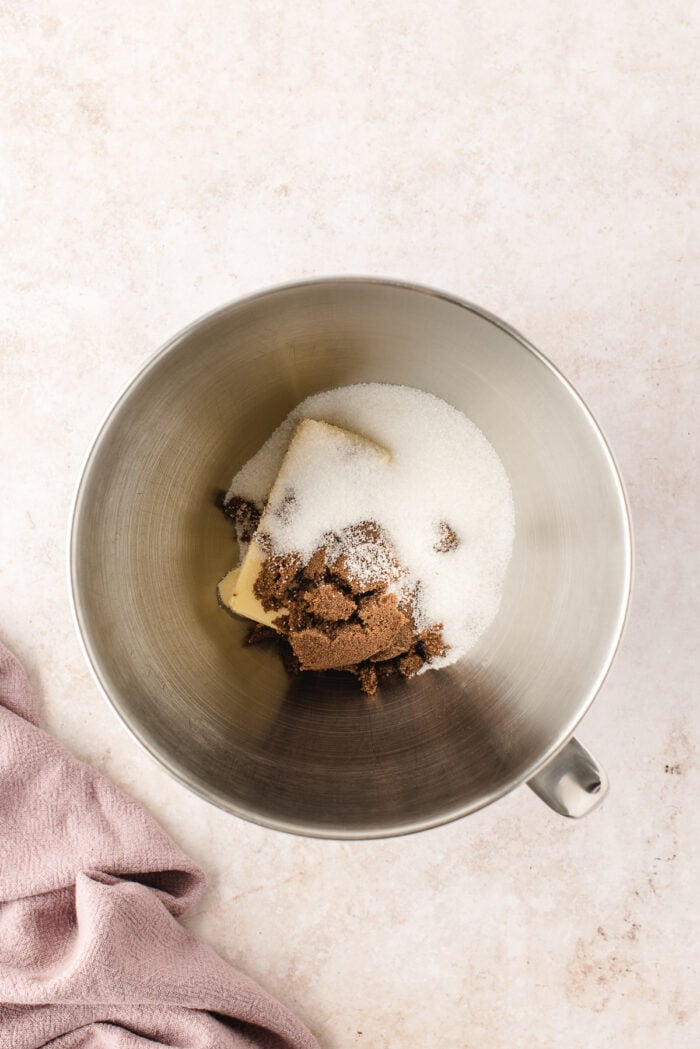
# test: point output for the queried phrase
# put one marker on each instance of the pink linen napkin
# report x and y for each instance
(92, 955)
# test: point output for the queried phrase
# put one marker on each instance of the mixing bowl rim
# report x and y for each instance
(299, 827)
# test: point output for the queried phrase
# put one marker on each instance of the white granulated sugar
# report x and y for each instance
(370, 562)
(442, 471)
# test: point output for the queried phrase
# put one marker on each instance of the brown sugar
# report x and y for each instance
(277, 574)
(380, 621)
(447, 539)
(409, 664)
(245, 515)
(260, 633)
(333, 619)
(368, 678)
(329, 602)
(431, 644)
(316, 566)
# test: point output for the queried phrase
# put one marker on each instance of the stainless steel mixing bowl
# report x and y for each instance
(311, 755)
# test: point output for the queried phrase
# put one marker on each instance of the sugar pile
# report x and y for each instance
(443, 473)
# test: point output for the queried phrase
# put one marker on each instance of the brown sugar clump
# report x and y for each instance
(402, 642)
(289, 660)
(259, 633)
(245, 515)
(409, 664)
(369, 681)
(339, 570)
(334, 619)
(276, 579)
(447, 539)
(380, 621)
(316, 566)
(329, 602)
(367, 561)
(337, 623)
(298, 617)
(431, 644)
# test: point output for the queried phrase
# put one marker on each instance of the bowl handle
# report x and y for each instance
(572, 783)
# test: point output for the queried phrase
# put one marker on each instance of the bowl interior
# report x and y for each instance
(310, 755)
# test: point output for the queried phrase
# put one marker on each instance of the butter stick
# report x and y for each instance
(236, 589)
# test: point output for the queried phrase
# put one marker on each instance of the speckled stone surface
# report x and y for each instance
(159, 160)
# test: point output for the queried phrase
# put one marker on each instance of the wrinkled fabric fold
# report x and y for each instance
(92, 955)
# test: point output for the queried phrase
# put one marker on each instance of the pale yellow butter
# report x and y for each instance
(236, 588)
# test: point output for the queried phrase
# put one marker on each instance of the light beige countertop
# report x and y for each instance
(161, 159)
